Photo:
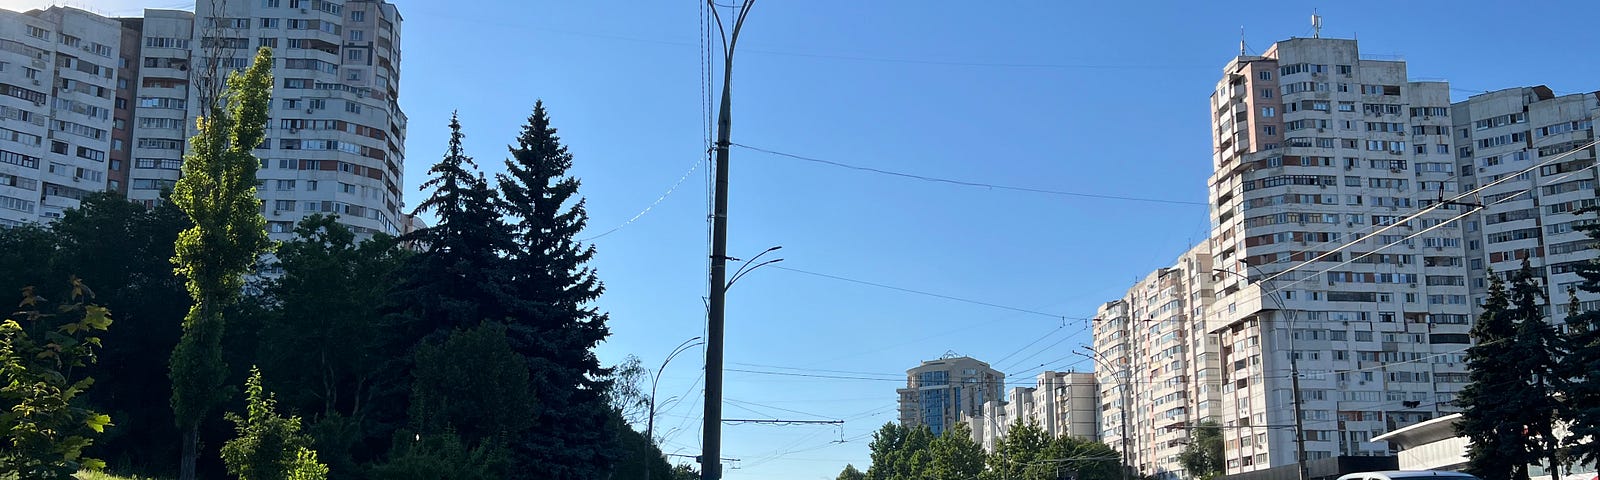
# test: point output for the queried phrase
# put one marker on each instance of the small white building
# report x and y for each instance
(1434, 445)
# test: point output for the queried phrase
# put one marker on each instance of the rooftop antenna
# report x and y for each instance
(1316, 24)
(1241, 41)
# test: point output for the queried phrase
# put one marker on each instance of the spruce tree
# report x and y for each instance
(1580, 367)
(554, 325)
(1537, 349)
(1484, 401)
(459, 279)
(1510, 407)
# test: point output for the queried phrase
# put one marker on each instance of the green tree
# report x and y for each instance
(1537, 348)
(900, 453)
(127, 249)
(43, 427)
(1580, 368)
(955, 455)
(460, 277)
(1084, 459)
(1017, 455)
(1203, 456)
(554, 324)
(217, 191)
(850, 473)
(269, 446)
(442, 457)
(1497, 446)
(474, 386)
(326, 343)
(25, 254)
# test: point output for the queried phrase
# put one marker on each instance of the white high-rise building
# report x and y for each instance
(57, 84)
(1317, 145)
(1062, 404)
(1156, 367)
(940, 393)
(1530, 215)
(335, 140)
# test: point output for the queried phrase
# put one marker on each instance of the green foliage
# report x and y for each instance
(25, 254)
(125, 249)
(474, 386)
(217, 191)
(269, 446)
(325, 343)
(639, 458)
(553, 323)
(850, 473)
(1203, 456)
(1017, 455)
(1509, 408)
(43, 427)
(1580, 368)
(443, 457)
(955, 455)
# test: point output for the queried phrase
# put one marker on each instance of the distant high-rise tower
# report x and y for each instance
(1317, 145)
(940, 392)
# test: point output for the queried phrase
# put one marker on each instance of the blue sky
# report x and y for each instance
(1091, 97)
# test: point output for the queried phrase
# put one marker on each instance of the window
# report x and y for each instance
(39, 33)
(1269, 111)
(358, 16)
(271, 3)
(347, 188)
(291, 104)
(1264, 75)
(311, 185)
(267, 42)
(1269, 130)
(1266, 93)
(358, 35)
(317, 104)
(354, 75)
(1342, 69)
(270, 22)
(283, 205)
(285, 185)
(356, 54)
(352, 107)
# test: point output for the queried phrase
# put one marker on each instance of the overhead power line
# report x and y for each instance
(966, 183)
(931, 294)
(652, 205)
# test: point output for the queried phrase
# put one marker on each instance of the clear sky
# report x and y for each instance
(1093, 97)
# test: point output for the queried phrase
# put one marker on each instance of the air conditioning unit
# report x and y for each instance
(1348, 167)
(36, 83)
(309, 110)
(294, 130)
(304, 11)
(1413, 285)
(1394, 170)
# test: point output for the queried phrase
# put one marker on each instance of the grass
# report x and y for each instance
(106, 476)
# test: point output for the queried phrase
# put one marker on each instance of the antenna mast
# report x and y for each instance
(1241, 41)
(1316, 24)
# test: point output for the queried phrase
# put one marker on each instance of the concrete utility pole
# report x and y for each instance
(711, 466)
(1294, 372)
(1127, 444)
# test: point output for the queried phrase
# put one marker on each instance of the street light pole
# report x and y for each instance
(711, 463)
(650, 424)
(1294, 372)
(1127, 448)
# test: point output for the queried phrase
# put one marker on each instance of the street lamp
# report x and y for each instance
(650, 424)
(747, 268)
(1294, 368)
(1122, 385)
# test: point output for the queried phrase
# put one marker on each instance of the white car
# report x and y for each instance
(1407, 475)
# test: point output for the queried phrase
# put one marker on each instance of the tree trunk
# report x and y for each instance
(191, 447)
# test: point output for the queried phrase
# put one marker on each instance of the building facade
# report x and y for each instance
(57, 85)
(93, 103)
(940, 393)
(1317, 145)
(335, 141)
(1157, 368)
(1060, 403)
(1528, 215)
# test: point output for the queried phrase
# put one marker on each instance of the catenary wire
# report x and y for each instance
(652, 205)
(965, 182)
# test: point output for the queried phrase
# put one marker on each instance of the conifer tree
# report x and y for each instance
(1509, 408)
(555, 326)
(1580, 366)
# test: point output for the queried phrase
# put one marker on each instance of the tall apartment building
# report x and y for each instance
(1317, 145)
(1060, 403)
(335, 141)
(1529, 215)
(92, 103)
(1152, 342)
(57, 82)
(939, 393)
